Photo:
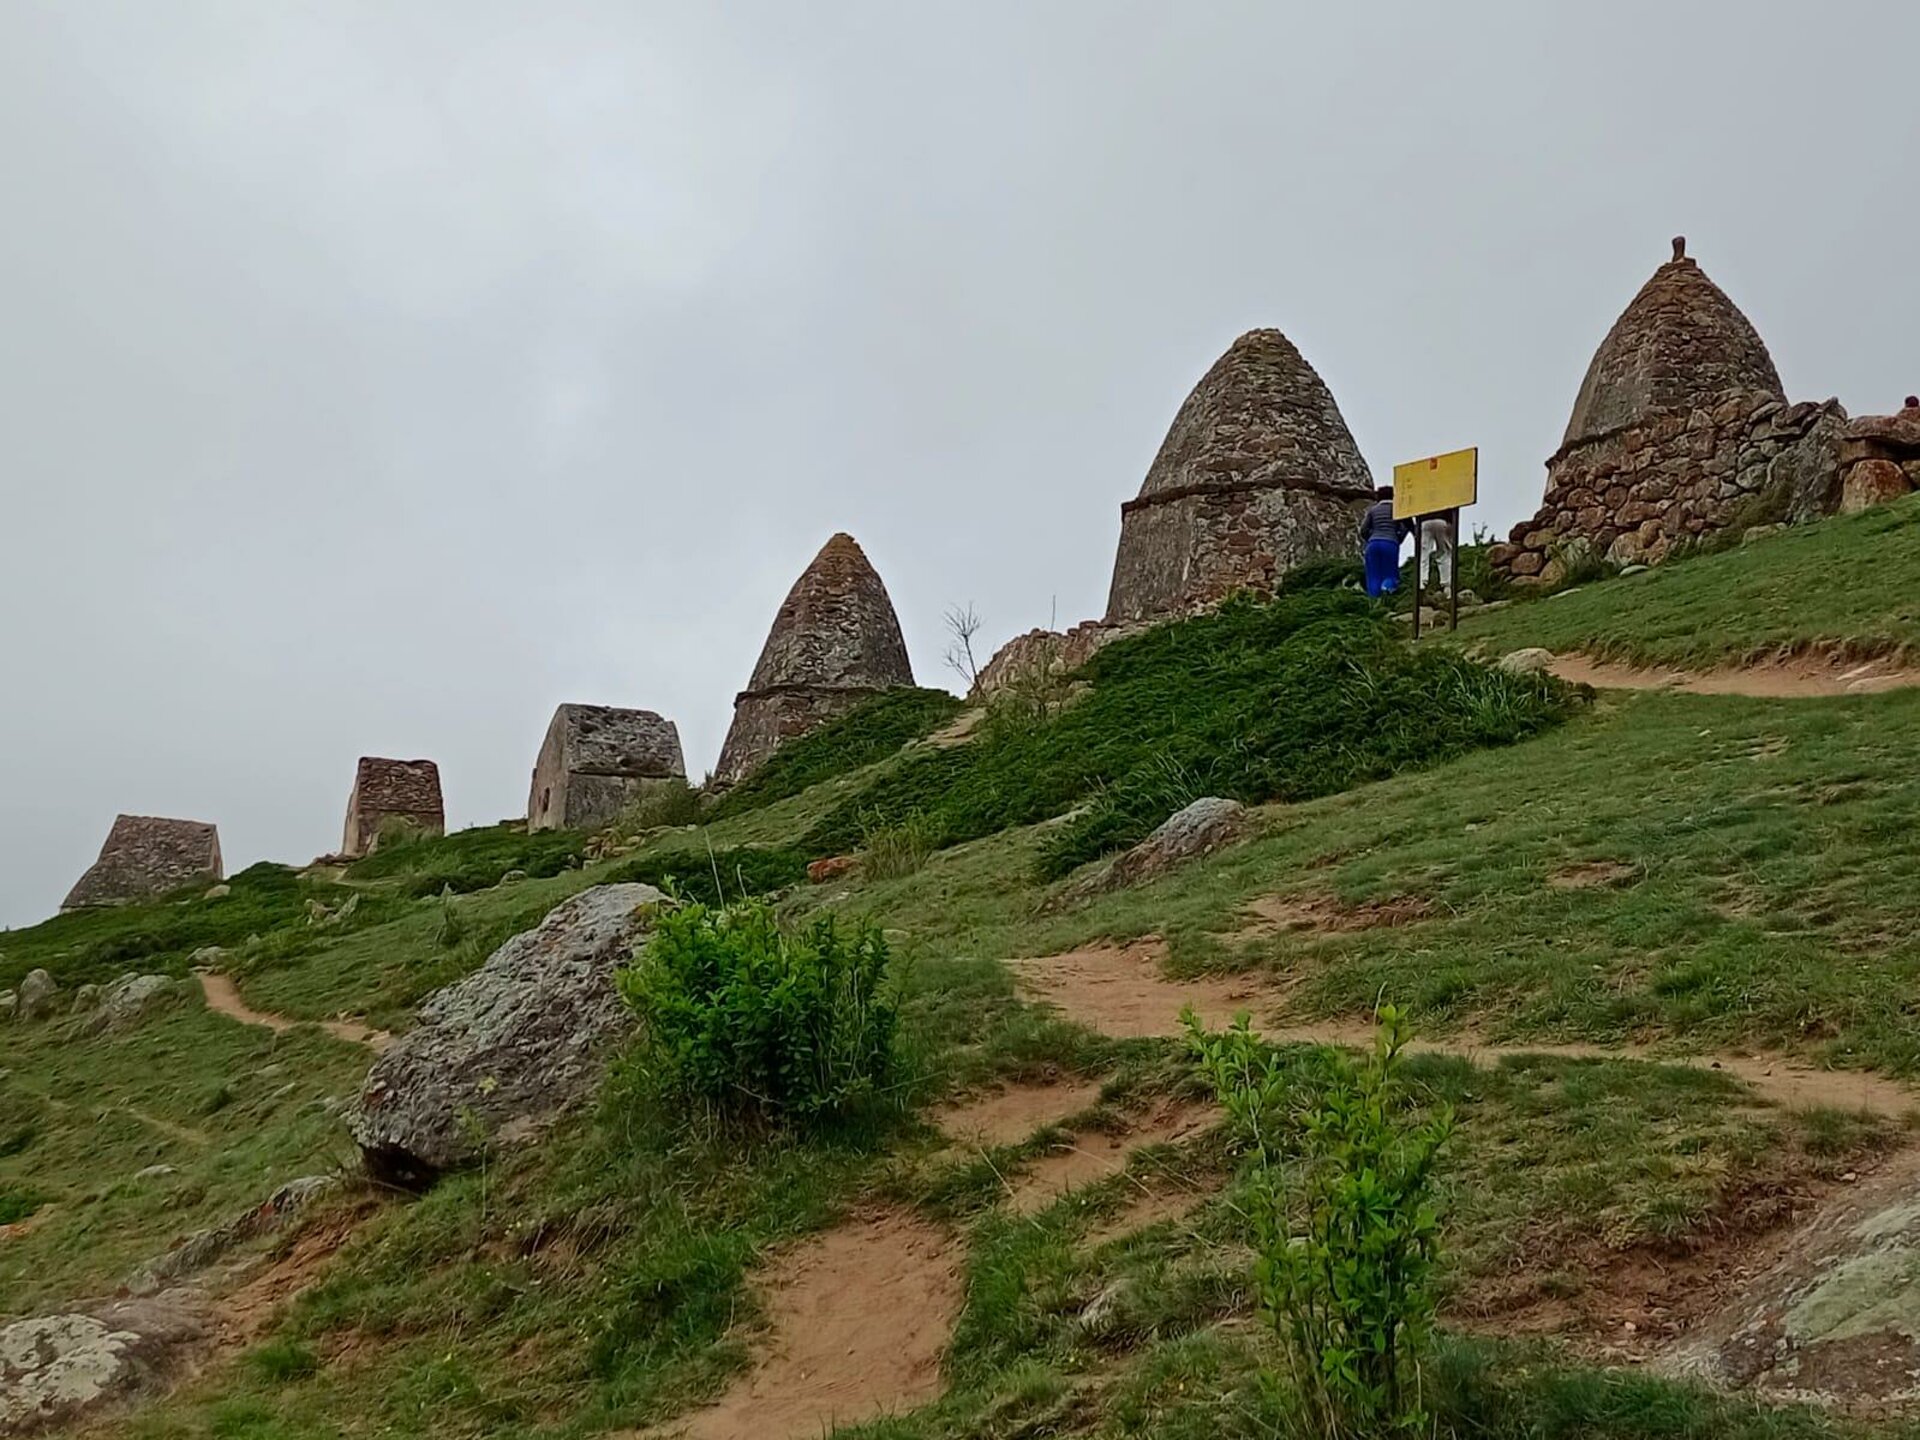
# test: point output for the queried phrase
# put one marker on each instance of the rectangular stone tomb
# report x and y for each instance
(596, 761)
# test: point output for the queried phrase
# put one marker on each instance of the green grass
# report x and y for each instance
(1309, 694)
(1849, 585)
(470, 859)
(873, 730)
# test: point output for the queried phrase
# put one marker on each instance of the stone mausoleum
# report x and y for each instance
(146, 856)
(835, 640)
(392, 790)
(1257, 474)
(596, 761)
(1681, 427)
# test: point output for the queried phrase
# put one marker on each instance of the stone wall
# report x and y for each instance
(386, 790)
(764, 720)
(1186, 550)
(598, 760)
(1040, 654)
(1633, 493)
(146, 856)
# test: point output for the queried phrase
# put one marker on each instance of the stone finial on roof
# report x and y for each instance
(1257, 473)
(1679, 247)
(385, 790)
(596, 761)
(146, 856)
(834, 640)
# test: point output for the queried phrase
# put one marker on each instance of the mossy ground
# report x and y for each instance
(1747, 880)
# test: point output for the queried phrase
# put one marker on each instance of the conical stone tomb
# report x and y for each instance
(1257, 474)
(834, 641)
(1680, 427)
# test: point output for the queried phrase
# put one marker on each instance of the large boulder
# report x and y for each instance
(1208, 824)
(55, 1368)
(1871, 483)
(37, 995)
(501, 1054)
(127, 999)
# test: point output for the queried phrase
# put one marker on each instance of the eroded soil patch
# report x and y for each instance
(1006, 1117)
(1093, 1156)
(1327, 914)
(1122, 990)
(1590, 875)
(1797, 677)
(859, 1318)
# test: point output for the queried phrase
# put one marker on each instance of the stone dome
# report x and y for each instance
(835, 639)
(1261, 416)
(1258, 473)
(1681, 345)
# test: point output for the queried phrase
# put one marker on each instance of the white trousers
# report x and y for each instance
(1436, 553)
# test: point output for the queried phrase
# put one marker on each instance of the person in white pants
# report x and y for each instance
(1436, 551)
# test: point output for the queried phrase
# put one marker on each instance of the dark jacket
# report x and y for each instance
(1378, 524)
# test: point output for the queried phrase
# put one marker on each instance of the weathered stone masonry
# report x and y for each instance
(1258, 472)
(146, 856)
(386, 790)
(835, 640)
(596, 761)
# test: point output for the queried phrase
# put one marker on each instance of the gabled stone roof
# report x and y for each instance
(147, 856)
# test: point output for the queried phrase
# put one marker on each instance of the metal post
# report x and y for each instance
(1416, 576)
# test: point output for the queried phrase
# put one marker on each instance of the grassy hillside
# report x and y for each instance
(1692, 873)
(1851, 585)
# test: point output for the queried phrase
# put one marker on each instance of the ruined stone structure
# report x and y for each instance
(1040, 655)
(1258, 473)
(598, 760)
(146, 856)
(1880, 458)
(1681, 427)
(386, 790)
(834, 641)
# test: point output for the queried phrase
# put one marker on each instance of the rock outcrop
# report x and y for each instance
(384, 791)
(499, 1055)
(835, 640)
(1200, 828)
(147, 856)
(1258, 473)
(38, 995)
(598, 760)
(1681, 424)
(1880, 458)
(58, 1368)
(1039, 657)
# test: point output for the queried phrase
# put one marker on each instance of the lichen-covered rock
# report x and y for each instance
(834, 641)
(499, 1055)
(1837, 1318)
(146, 856)
(1200, 828)
(596, 761)
(57, 1368)
(203, 1247)
(9, 1005)
(37, 995)
(1257, 473)
(1871, 483)
(127, 999)
(1039, 657)
(1531, 661)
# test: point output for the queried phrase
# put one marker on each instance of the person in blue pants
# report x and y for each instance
(1380, 537)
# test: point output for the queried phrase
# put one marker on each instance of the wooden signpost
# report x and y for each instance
(1440, 485)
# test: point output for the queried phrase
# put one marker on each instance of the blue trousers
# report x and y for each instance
(1383, 567)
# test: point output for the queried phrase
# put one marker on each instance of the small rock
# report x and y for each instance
(1754, 533)
(155, 1172)
(127, 999)
(1635, 569)
(1532, 661)
(9, 1004)
(207, 957)
(512, 877)
(86, 999)
(37, 995)
(218, 892)
(821, 871)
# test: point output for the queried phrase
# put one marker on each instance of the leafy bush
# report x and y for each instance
(17, 1204)
(716, 877)
(1302, 696)
(1347, 1236)
(755, 1022)
(469, 860)
(872, 730)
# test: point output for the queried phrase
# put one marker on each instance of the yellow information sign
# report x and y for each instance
(1441, 482)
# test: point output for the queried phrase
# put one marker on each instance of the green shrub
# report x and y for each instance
(889, 851)
(716, 877)
(1303, 696)
(17, 1203)
(874, 729)
(279, 1362)
(749, 1021)
(1345, 1229)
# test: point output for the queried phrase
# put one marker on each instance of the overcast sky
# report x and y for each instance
(374, 377)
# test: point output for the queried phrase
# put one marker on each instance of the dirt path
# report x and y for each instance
(224, 999)
(860, 1318)
(1124, 991)
(1798, 678)
(1090, 1158)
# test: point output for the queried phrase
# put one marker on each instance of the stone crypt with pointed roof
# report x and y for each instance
(834, 641)
(1681, 427)
(1257, 473)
